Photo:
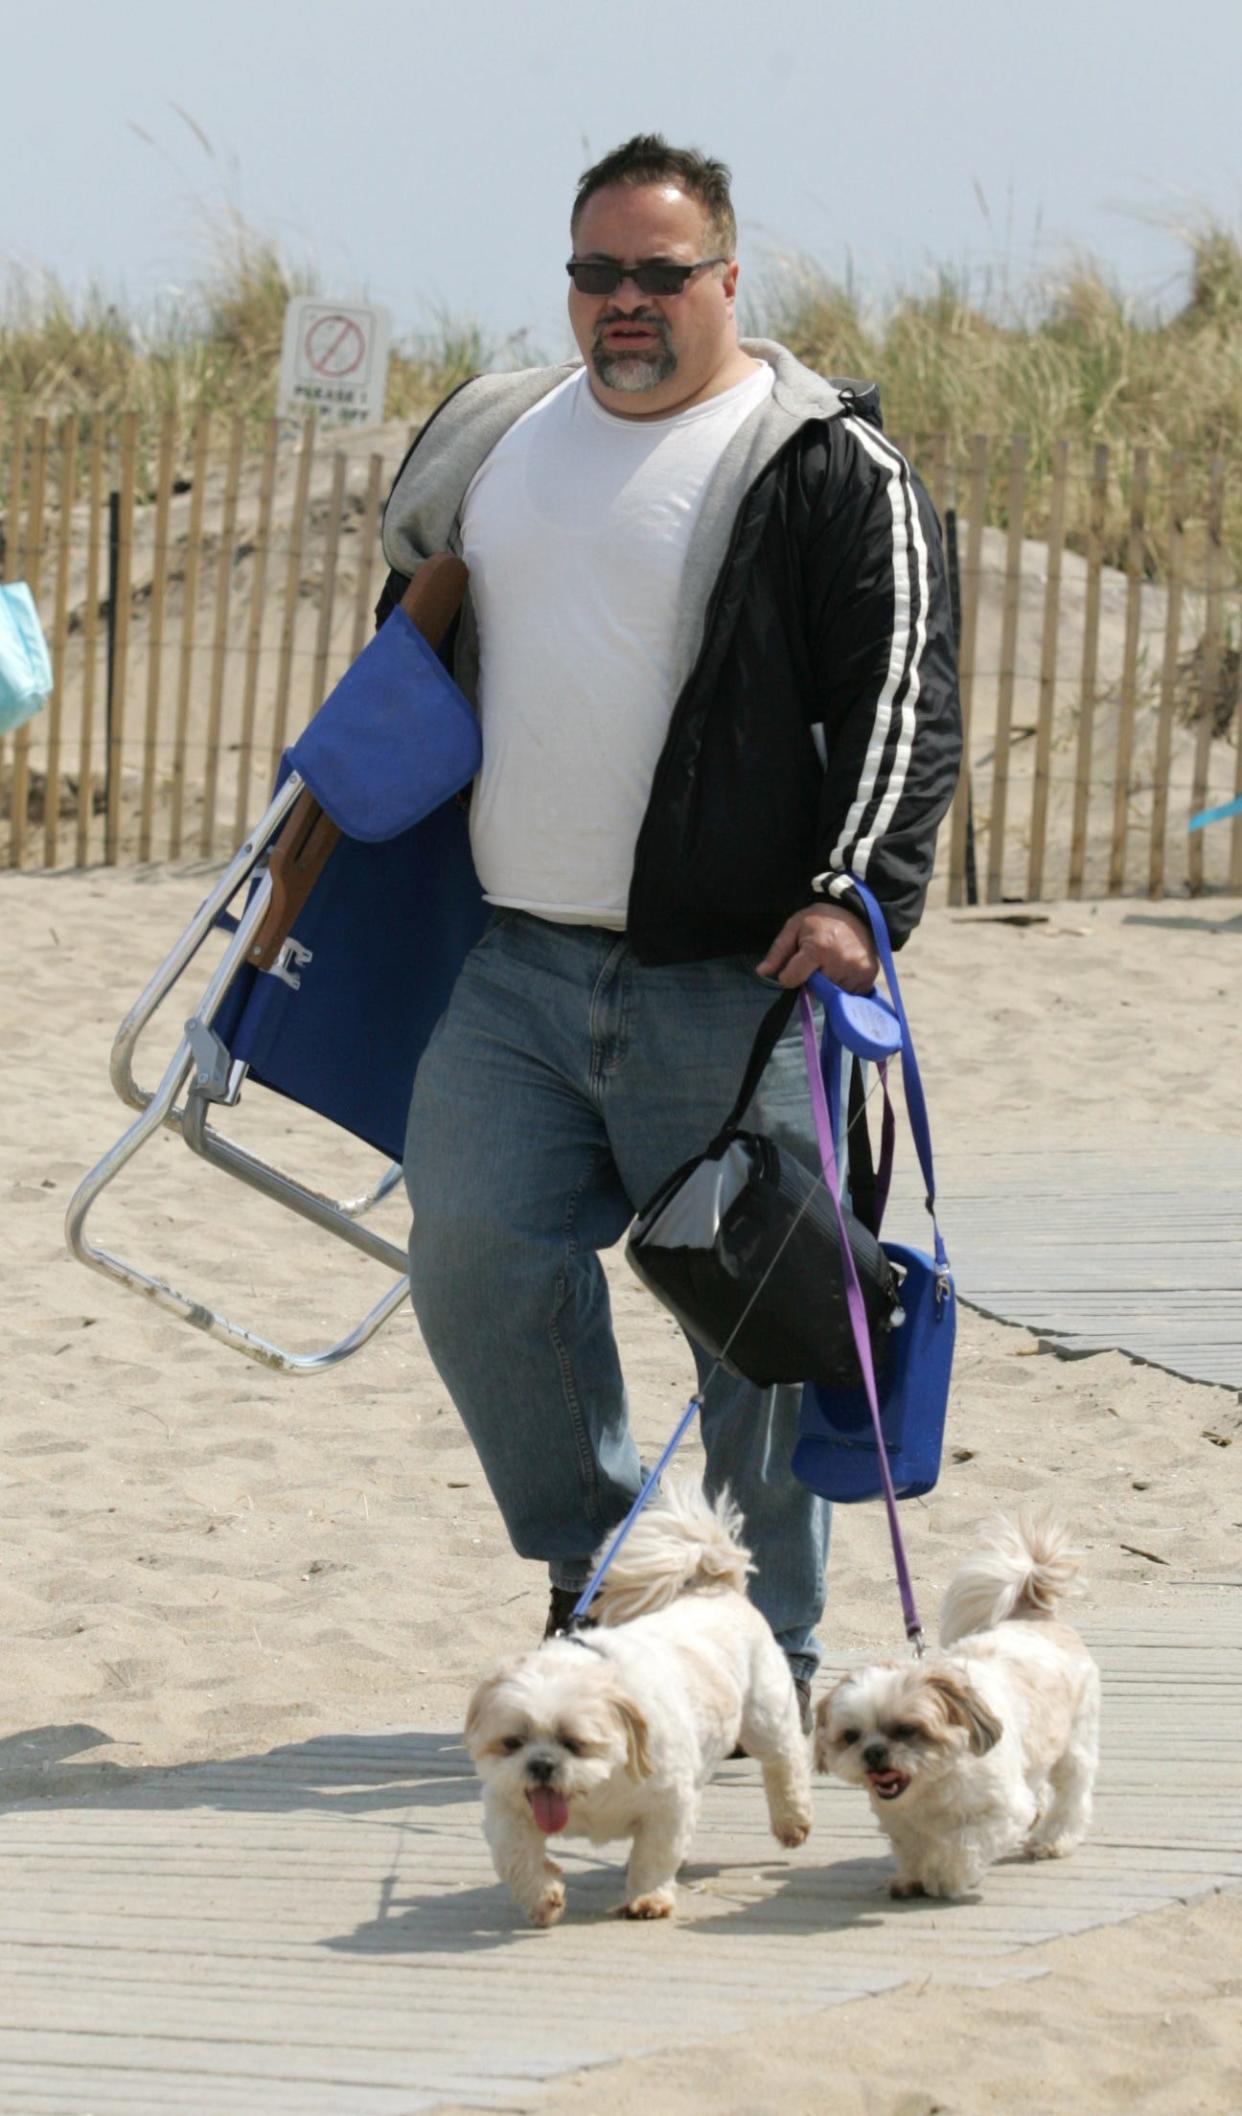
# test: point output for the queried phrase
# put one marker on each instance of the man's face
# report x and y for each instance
(649, 353)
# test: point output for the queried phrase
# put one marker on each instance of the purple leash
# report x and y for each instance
(858, 1318)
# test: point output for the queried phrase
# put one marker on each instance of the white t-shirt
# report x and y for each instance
(575, 531)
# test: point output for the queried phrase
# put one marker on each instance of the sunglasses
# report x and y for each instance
(599, 275)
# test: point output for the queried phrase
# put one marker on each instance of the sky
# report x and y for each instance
(424, 156)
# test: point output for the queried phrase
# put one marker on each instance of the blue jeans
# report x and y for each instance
(564, 1083)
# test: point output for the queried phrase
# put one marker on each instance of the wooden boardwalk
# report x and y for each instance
(1136, 1245)
(318, 1931)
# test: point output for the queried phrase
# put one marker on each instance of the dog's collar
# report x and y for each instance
(575, 1638)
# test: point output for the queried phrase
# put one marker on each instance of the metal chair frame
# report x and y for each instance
(202, 1067)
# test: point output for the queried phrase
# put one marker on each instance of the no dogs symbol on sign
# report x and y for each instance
(334, 360)
(335, 346)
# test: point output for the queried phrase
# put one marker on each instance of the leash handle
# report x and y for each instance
(858, 1317)
(912, 1079)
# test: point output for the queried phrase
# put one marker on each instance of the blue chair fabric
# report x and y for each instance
(397, 907)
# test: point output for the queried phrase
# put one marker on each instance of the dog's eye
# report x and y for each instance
(571, 1748)
(903, 1733)
(511, 1744)
(847, 1737)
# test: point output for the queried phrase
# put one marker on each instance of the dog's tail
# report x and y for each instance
(680, 1542)
(1020, 1569)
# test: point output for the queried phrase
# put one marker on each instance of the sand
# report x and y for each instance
(201, 1559)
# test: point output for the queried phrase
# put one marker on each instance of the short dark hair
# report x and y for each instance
(648, 159)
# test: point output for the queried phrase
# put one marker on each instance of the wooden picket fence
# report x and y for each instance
(198, 608)
(203, 591)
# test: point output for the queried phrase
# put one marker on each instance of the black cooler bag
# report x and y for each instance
(742, 1246)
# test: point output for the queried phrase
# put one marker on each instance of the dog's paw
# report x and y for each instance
(660, 1903)
(1057, 1848)
(902, 1890)
(792, 1827)
(551, 1904)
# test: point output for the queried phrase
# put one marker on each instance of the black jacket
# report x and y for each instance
(818, 731)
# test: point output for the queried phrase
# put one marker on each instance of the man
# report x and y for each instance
(709, 640)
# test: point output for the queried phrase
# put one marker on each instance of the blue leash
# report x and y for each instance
(592, 1587)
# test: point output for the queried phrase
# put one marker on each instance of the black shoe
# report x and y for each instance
(561, 1607)
(802, 1690)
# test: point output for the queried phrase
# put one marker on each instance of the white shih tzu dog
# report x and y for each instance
(614, 1733)
(988, 1746)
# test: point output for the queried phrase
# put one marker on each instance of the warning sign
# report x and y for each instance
(334, 361)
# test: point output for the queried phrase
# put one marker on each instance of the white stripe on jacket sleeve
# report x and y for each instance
(908, 641)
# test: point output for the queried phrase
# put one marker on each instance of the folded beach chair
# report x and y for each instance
(356, 902)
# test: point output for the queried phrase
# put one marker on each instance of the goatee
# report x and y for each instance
(632, 372)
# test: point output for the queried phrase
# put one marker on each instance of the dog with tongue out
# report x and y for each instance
(614, 1734)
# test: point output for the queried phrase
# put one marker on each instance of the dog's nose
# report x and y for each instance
(539, 1769)
(875, 1755)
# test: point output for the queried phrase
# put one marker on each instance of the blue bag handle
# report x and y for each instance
(839, 1010)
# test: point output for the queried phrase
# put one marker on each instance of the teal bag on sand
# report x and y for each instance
(25, 670)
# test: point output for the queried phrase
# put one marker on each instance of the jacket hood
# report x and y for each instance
(804, 394)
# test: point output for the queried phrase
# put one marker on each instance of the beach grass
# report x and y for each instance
(1072, 359)
(214, 350)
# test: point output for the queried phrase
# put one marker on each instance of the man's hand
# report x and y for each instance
(823, 937)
